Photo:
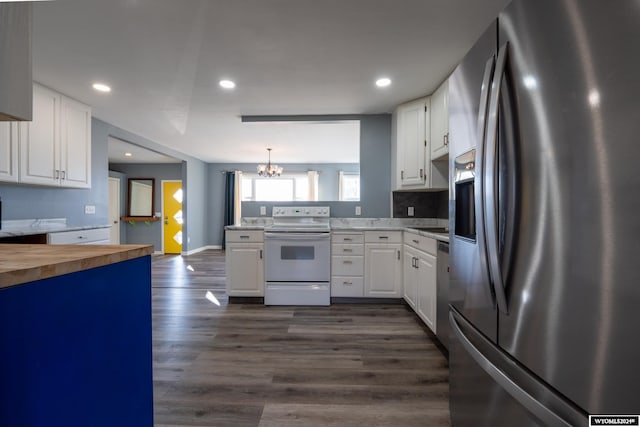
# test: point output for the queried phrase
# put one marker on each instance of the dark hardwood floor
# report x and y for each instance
(250, 365)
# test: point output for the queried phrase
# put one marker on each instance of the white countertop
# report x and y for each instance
(365, 224)
(26, 227)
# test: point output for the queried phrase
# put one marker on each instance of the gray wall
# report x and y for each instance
(141, 233)
(375, 178)
(203, 185)
(27, 202)
(195, 206)
(194, 182)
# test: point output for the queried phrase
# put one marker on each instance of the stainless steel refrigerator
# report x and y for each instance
(545, 216)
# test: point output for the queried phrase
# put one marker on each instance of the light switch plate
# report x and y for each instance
(410, 211)
(358, 211)
(89, 209)
(263, 210)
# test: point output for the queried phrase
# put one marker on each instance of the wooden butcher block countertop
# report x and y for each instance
(27, 263)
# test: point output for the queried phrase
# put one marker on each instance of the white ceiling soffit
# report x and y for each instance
(164, 58)
(138, 154)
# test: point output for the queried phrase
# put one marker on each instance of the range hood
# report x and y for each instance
(16, 84)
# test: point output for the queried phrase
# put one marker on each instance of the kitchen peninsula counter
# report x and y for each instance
(27, 263)
(75, 334)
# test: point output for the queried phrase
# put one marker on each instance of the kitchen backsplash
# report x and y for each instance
(426, 204)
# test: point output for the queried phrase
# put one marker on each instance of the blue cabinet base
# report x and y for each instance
(75, 350)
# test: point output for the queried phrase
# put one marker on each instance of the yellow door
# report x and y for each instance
(172, 209)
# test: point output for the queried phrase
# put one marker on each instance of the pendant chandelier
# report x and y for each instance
(269, 170)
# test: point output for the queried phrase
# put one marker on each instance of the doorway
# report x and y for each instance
(114, 210)
(172, 219)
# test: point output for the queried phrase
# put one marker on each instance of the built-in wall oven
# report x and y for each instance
(298, 257)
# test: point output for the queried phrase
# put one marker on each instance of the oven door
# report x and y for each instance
(297, 257)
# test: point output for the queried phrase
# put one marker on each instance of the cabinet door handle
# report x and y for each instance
(347, 283)
(64, 174)
(244, 237)
(347, 239)
(383, 237)
(446, 139)
(401, 174)
(347, 250)
(57, 174)
(347, 262)
(417, 264)
(416, 241)
(398, 254)
(421, 173)
(260, 253)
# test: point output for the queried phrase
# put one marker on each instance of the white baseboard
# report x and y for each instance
(157, 252)
(203, 248)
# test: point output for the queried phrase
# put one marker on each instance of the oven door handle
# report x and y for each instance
(297, 236)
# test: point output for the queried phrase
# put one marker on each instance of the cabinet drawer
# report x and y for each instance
(347, 266)
(383, 237)
(347, 238)
(345, 286)
(347, 250)
(245, 236)
(93, 235)
(425, 244)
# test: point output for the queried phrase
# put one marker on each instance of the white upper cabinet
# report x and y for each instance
(8, 152)
(412, 125)
(75, 153)
(440, 122)
(55, 148)
(40, 138)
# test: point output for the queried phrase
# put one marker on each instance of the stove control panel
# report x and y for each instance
(301, 211)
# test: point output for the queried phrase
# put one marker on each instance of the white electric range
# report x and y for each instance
(298, 256)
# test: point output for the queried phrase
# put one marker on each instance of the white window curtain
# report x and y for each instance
(313, 185)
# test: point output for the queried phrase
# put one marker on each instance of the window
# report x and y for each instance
(349, 183)
(286, 188)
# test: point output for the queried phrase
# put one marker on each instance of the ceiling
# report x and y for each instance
(164, 58)
(124, 152)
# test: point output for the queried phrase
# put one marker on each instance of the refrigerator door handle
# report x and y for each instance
(480, 167)
(491, 182)
(543, 413)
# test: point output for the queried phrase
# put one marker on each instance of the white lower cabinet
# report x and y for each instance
(347, 264)
(420, 277)
(383, 264)
(409, 278)
(244, 259)
(92, 236)
(426, 266)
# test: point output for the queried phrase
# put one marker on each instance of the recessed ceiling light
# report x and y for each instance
(128, 154)
(101, 87)
(227, 84)
(383, 82)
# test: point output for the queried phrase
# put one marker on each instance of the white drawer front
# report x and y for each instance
(347, 250)
(383, 236)
(93, 235)
(425, 244)
(348, 238)
(345, 286)
(347, 266)
(247, 236)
